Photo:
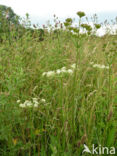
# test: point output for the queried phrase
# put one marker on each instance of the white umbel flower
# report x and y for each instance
(91, 63)
(63, 71)
(103, 66)
(100, 66)
(70, 71)
(44, 74)
(63, 68)
(95, 65)
(35, 100)
(18, 101)
(58, 71)
(22, 105)
(29, 104)
(73, 66)
(50, 73)
(43, 100)
(26, 102)
(35, 105)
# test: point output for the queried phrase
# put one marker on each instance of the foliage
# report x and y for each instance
(58, 90)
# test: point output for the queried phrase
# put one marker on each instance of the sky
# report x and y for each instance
(43, 10)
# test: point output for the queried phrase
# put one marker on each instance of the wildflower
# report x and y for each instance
(101, 66)
(28, 103)
(43, 100)
(44, 73)
(50, 73)
(91, 63)
(64, 71)
(63, 68)
(37, 132)
(22, 105)
(95, 65)
(80, 14)
(61, 26)
(35, 99)
(73, 66)
(70, 71)
(15, 141)
(18, 101)
(35, 105)
(107, 67)
(69, 20)
(97, 26)
(58, 71)
(87, 27)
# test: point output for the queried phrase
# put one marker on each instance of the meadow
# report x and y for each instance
(58, 89)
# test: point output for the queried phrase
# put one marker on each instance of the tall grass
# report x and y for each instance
(72, 108)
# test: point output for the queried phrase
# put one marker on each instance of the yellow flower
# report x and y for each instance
(37, 132)
(15, 141)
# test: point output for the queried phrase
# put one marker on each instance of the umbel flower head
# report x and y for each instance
(87, 27)
(73, 66)
(99, 66)
(80, 14)
(62, 71)
(34, 103)
(97, 26)
(68, 22)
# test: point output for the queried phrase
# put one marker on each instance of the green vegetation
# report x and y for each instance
(58, 89)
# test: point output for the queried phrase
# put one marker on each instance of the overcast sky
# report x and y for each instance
(44, 9)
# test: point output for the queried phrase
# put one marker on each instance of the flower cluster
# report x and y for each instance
(33, 103)
(60, 71)
(80, 14)
(99, 66)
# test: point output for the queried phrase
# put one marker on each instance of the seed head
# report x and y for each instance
(97, 26)
(80, 14)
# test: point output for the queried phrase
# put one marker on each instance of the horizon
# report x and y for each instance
(42, 15)
(42, 11)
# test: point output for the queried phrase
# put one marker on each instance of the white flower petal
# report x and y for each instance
(29, 104)
(43, 100)
(44, 74)
(50, 73)
(35, 100)
(18, 101)
(22, 105)
(70, 71)
(26, 101)
(63, 71)
(73, 66)
(101, 66)
(63, 68)
(35, 105)
(91, 63)
(58, 71)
